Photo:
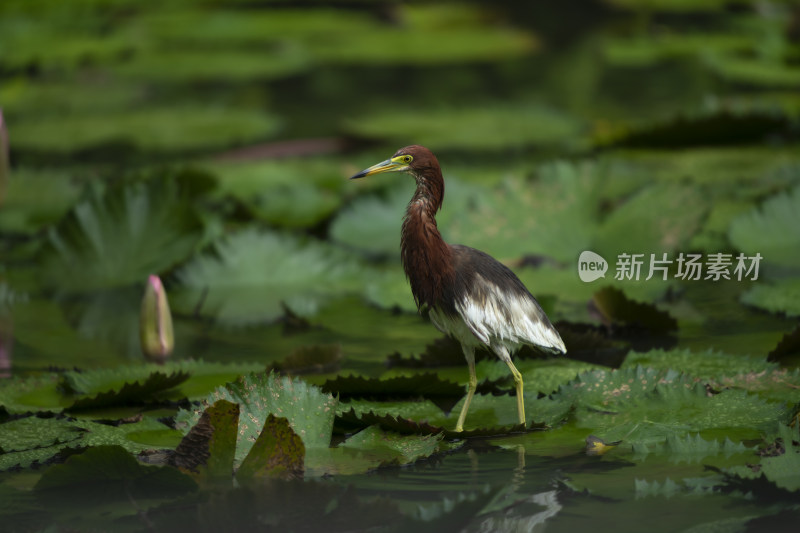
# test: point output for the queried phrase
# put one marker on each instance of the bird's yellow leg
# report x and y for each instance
(469, 354)
(518, 383)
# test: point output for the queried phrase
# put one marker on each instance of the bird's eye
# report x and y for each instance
(407, 159)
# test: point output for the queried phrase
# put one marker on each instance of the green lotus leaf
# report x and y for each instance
(35, 199)
(658, 218)
(782, 470)
(714, 128)
(553, 216)
(208, 449)
(439, 34)
(46, 437)
(770, 230)
(194, 378)
(643, 405)
(363, 417)
(121, 236)
(393, 448)
(277, 453)
(782, 296)
(31, 394)
(309, 411)
(36, 432)
(237, 29)
(248, 275)
(754, 71)
(190, 65)
(788, 346)
(692, 448)
(24, 97)
(499, 126)
(705, 365)
(642, 51)
(619, 309)
(300, 205)
(157, 129)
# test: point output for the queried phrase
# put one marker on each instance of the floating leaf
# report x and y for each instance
(782, 471)
(707, 365)
(659, 218)
(444, 394)
(309, 411)
(486, 127)
(189, 65)
(208, 449)
(781, 296)
(709, 129)
(553, 216)
(617, 308)
(134, 391)
(352, 420)
(788, 346)
(643, 405)
(37, 431)
(134, 437)
(391, 447)
(251, 273)
(34, 199)
(431, 35)
(277, 453)
(310, 359)
(165, 129)
(121, 236)
(770, 230)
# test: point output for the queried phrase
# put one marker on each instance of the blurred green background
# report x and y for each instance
(210, 143)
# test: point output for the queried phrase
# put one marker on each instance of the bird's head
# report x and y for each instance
(416, 160)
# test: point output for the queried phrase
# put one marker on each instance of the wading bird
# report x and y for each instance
(470, 295)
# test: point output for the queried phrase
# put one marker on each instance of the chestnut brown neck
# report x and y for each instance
(427, 259)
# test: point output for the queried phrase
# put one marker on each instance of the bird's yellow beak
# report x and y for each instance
(390, 165)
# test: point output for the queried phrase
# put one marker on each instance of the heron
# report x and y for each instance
(469, 295)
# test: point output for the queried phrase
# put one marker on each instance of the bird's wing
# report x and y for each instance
(495, 304)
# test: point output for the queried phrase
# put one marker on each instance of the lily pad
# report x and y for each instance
(392, 447)
(35, 199)
(619, 309)
(277, 453)
(782, 296)
(643, 406)
(309, 411)
(208, 449)
(121, 236)
(49, 435)
(553, 216)
(658, 218)
(782, 470)
(165, 129)
(498, 126)
(190, 65)
(704, 129)
(770, 230)
(427, 34)
(248, 275)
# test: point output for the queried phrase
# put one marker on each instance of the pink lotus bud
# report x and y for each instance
(155, 326)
